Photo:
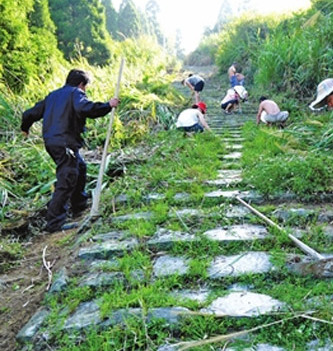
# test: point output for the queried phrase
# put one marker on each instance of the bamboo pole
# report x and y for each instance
(305, 248)
(94, 212)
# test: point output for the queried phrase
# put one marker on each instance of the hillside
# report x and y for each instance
(175, 258)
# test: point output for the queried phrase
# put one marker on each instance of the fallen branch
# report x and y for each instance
(48, 267)
(181, 220)
(188, 345)
(305, 248)
(316, 319)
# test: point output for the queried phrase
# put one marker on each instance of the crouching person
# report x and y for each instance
(269, 113)
(231, 101)
(193, 119)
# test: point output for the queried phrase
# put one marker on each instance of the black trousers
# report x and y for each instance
(71, 174)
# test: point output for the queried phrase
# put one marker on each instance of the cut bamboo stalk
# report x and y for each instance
(94, 212)
(305, 248)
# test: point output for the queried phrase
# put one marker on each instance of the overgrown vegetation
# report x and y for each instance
(285, 57)
(179, 165)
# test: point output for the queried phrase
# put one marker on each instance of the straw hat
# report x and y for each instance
(324, 89)
(240, 90)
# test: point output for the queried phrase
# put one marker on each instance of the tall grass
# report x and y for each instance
(287, 55)
(297, 56)
(27, 172)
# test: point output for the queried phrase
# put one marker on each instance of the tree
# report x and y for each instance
(44, 42)
(179, 45)
(152, 11)
(111, 16)
(17, 59)
(224, 16)
(81, 29)
(128, 20)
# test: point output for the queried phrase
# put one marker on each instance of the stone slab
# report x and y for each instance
(237, 232)
(165, 238)
(244, 304)
(247, 263)
(237, 212)
(31, 328)
(233, 156)
(133, 216)
(168, 265)
(101, 279)
(107, 249)
(195, 295)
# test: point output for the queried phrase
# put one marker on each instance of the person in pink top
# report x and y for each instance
(232, 99)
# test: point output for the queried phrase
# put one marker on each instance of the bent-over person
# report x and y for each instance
(269, 113)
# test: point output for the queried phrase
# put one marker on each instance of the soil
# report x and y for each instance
(22, 288)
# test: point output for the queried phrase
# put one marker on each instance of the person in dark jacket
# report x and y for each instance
(64, 112)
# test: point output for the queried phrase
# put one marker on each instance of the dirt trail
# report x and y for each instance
(23, 288)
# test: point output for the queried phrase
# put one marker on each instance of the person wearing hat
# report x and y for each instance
(196, 84)
(232, 99)
(193, 119)
(269, 113)
(324, 95)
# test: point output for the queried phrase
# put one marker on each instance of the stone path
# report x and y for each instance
(237, 300)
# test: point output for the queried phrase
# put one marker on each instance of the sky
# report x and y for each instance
(192, 17)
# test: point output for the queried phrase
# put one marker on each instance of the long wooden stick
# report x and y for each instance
(220, 338)
(305, 248)
(97, 191)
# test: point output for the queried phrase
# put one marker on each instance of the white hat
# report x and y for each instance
(324, 89)
(240, 90)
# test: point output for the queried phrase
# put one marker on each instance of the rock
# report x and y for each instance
(60, 283)
(236, 265)
(31, 328)
(168, 265)
(243, 304)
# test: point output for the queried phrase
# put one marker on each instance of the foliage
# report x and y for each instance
(27, 171)
(28, 46)
(285, 55)
(275, 163)
(297, 56)
(204, 54)
(129, 25)
(81, 30)
(248, 31)
(111, 16)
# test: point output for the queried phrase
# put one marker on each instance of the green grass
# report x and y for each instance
(141, 290)
(276, 163)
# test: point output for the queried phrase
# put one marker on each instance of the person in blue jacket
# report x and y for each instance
(64, 112)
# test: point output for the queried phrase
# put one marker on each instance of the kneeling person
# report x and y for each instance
(231, 102)
(192, 119)
(269, 113)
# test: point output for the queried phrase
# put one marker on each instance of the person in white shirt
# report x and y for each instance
(232, 99)
(192, 119)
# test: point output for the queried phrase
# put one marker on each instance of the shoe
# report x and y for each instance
(69, 226)
(78, 211)
(77, 214)
(65, 227)
(227, 112)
